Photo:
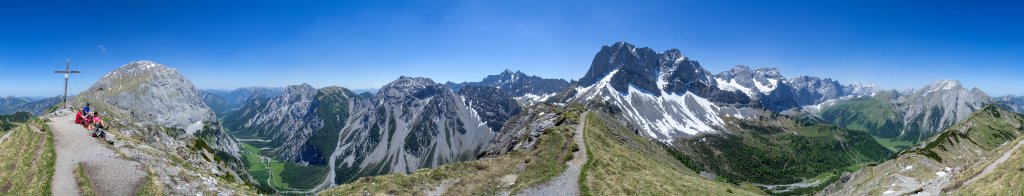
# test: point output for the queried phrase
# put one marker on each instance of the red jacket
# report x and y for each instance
(78, 118)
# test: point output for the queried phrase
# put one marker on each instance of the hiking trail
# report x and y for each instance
(992, 166)
(566, 183)
(109, 173)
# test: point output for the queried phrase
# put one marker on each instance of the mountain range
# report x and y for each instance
(744, 130)
(11, 104)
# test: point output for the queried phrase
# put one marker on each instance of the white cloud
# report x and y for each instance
(102, 48)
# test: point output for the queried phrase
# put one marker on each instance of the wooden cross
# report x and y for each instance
(67, 72)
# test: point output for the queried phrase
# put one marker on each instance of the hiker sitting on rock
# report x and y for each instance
(79, 118)
(97, 126)
(87, 120)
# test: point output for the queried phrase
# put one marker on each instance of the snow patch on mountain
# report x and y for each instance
(772, 83)
(732, 85)
(662, 117)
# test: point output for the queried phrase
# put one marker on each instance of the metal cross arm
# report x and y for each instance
(67, 72)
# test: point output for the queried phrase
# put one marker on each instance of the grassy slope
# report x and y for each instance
(782, 150)
(876, 115)
(988, 128)
(27, 158)
(481, 177)
(893, 144)
(984, 132)
(1006, 179)
(623, 163)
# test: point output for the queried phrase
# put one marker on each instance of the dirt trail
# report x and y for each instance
(5, 136)
(566, 183)
(109, 173)
(991, 167)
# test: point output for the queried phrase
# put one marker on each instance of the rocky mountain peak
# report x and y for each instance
(150, 90)
(405, 82)
(742, 71)
(944, 85)
(141, 67)
(304, 87)
(405, 86)
(769, 72)
(739, 69)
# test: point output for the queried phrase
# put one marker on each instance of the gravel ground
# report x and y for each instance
(109, 173)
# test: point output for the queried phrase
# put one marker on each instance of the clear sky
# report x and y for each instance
(229, 44)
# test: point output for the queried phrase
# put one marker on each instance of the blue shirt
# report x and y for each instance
(86, 109)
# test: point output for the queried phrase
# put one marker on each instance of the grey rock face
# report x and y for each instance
(635, 66)
(493, 105)
(1016, 103)
(413, 123)
(813, 90)
(532, 124)
(152, 94)
(937, 106)
(655, 73)
(152, 91)
(288, 119)
(409, 124)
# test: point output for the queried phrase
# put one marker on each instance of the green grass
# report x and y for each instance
(987, 128)
(781, 150)
(624, 163)
(1006, 179)
(893, 144)
(27, 158)
(876, 115)
(260, 170)
(284, 176)
(84, 184)
(150, 185)
(554, 148)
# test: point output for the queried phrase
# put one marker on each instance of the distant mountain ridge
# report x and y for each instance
(910, 115)
(524, 88)
(12, 104)
(408, 124)
(414, 123)
(654, 89)
(223, 101)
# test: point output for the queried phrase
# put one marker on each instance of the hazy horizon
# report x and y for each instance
(364, 45)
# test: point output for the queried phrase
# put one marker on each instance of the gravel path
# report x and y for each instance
(566, 183)
(991, 167)
(109, 173)
(6, 135)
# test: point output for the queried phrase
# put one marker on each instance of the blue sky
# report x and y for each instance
(365, 44)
